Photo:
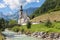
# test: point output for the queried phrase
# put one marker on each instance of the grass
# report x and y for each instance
(1, 37)
(41, 27)
(52, 16)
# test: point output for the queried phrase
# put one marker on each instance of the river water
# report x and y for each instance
(13, 36)
(22, 38)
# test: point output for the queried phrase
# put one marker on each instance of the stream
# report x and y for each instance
(13, 36)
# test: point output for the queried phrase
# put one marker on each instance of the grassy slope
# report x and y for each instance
(52, 16)
(41, 27)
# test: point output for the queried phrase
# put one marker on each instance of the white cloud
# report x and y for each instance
(32, 1)
(12, 3)
(15, 3)
(2, 5)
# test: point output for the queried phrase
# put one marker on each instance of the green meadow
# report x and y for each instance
(40, 28)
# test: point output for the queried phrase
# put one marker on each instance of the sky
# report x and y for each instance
(9, 7)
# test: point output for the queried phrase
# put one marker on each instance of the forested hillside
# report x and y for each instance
(48, 6)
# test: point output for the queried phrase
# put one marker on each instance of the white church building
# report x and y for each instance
(23, 18)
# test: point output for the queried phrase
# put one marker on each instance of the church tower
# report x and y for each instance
(20, 15)
(23, 18)
(21, 12)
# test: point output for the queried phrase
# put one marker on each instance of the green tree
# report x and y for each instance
(28, 25)
(2, 24)
(32, 16)
(12, 23)
(48, 6)
(48, 23)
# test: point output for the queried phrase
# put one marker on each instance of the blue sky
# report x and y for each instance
(9, 7)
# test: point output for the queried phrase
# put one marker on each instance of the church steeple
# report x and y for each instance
(22, 17)
(21, 10)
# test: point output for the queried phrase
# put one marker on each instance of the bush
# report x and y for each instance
(12, 23)
(22, 30)
(32, 16)
(28, 25)
(16, 29)
(48, 23)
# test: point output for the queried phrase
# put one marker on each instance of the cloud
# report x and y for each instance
(13, 4)
(29, 1)
(2, 5)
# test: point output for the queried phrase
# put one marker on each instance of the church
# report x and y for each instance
(23, 18)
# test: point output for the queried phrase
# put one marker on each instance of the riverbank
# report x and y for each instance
(40, 31)
(46, 36)
(1, 37)
(38, 35)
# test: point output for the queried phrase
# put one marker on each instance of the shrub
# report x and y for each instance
(22, 30)
(28, 25)
(12, 23)
(48, 23)
(16, 29)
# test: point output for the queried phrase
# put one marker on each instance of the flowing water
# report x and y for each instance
(12, 36)
(22, 38)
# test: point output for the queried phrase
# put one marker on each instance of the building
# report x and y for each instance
(23, 18)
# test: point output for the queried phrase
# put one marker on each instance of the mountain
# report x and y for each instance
(9, 17)
(48, 6)
(30, 10)
(15, 16)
